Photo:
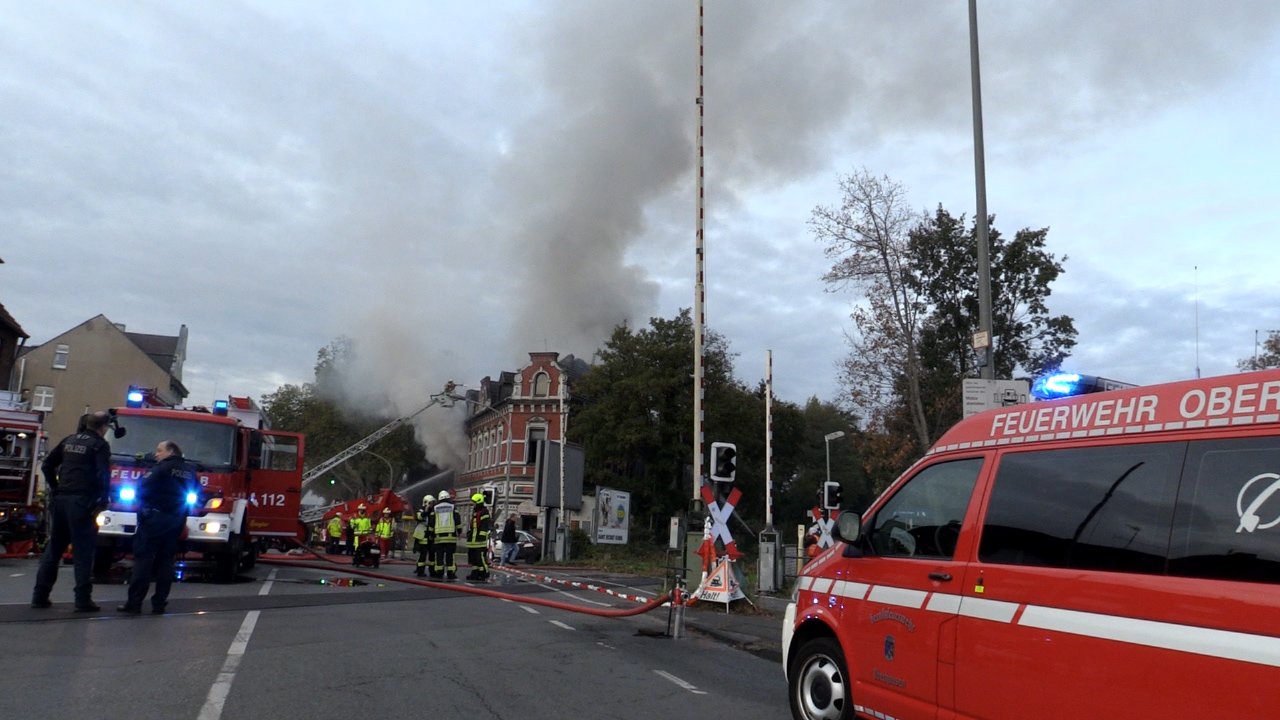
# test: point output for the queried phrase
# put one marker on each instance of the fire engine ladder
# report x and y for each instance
(445, 399)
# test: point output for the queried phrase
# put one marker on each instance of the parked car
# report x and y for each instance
(530, 546)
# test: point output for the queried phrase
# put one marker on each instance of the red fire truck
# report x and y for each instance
(21, 444)
(245, 480)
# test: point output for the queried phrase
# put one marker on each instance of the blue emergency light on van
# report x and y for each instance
(1057, 385)
(219, 407)
(128, 493)
(1060, 385)
(134, 398)
(192, 498)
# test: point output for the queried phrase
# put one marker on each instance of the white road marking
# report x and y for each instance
(560, 624)
(575, 597)
(266, 586)
(17, 574)
(687, 686)
(217, 697)
(603, 645)
(530, 610)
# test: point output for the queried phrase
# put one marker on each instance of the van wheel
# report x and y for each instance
(820, 687)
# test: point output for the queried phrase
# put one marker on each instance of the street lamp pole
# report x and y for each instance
(829, 437)
(391, 473)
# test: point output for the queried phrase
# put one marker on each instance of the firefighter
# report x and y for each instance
(443, 530)
(422, 537)
(334, 531)
(478, 540)
(361, 527)
(383, 531)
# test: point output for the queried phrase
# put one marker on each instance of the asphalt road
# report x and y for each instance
(279, 644)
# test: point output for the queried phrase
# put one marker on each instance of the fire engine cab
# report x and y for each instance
(244, 480)
(1114, 555)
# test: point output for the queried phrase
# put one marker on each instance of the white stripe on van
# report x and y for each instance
(898, 596)
(804, 582)
(849, 589)
(983, 609)
(1259, 649)
(821, 584)
(943, 603)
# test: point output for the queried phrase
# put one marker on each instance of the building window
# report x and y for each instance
(541, 385)
(536, 436)
(42, 398)
(60, 354)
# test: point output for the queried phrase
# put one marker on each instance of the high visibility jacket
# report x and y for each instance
(420, 532)
(384, 529)
(335, 527)
(361, 526)
(444, 523)
(478, 531)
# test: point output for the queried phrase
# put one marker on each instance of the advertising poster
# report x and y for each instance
(613, 515)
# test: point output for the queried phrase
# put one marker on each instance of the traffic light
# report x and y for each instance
(724, 461)
(489, 496)
(832, 495)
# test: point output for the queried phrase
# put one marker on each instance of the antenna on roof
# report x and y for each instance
(1197, 276)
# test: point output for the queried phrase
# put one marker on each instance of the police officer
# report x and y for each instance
(160, 519)
(422, 536)
(361, 527)
(334, 531)
(444, 538)
(78, 472)
(478, 539)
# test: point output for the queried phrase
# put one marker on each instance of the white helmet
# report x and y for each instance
(444, 495)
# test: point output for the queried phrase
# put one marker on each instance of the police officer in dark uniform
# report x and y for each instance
(160, 519)
(78, 472)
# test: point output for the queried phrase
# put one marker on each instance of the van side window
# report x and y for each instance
(1099, 508)
(1228, 520)
(923, 518)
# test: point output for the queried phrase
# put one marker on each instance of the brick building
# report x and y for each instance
(506, 418)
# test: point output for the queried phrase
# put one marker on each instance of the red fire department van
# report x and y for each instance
(245, 482)
(1112, 555)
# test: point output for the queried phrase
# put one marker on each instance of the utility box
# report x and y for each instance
(770, 575)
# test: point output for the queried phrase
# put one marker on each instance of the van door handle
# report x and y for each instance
(940, 576)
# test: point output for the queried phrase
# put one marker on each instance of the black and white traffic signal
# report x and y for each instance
(724, 461)
(490, 495)
(832, 495)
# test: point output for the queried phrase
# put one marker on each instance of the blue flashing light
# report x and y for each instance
(192, 498)
(134, 398)
(1057, 385)
(219, 407)
(128, 493)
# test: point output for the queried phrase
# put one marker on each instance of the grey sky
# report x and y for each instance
(455, 184)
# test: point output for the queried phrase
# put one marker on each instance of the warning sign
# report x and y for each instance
(721, 584)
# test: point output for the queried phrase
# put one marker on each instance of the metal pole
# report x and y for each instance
(391, 473)
(562, 527)
(768, 440)
(699, 290)
(980, 179)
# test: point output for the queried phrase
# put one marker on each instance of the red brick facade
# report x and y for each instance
(505, 418)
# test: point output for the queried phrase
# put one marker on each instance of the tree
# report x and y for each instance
(1270, 357)
(1027, 338)
(868, 239)
(912, 347)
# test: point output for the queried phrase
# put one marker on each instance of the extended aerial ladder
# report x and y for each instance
(444, 399)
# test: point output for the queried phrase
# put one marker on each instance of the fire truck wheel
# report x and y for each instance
(820, 685)
(227, 561)
(250, 557)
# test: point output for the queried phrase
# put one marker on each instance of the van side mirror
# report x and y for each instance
(849, 526)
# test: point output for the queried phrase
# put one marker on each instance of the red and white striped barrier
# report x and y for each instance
(574, 584)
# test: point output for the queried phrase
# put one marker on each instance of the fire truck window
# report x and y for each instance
(1228, 519)
(279, 453)
(1104, 508)
(923, 517)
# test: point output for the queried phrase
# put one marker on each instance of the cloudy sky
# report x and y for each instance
(455, 184)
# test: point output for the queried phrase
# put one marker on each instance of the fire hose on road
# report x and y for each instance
(464, 588)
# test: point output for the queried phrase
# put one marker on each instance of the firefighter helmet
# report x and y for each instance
(386, 511)
(444, 495)
(362, 507)
(478, 498)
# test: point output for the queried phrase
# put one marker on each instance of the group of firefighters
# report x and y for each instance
(435, 537)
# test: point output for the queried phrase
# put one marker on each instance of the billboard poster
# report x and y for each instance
(613, 516)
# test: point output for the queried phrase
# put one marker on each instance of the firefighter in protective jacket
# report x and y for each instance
(384, 530)
(422, 537)
(361, 527)
(334, 531)
(478, 539)
(443, 530)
